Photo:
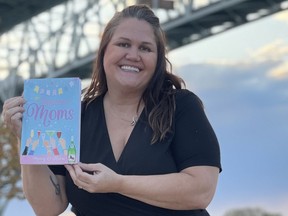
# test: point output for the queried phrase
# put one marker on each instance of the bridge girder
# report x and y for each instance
(13, 12)
(218, 17)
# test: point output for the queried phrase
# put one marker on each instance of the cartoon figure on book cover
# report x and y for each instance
(51, 123)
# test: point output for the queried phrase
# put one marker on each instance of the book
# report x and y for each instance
(51, 121)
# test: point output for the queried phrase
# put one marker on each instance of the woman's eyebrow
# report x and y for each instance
(143, 42)
(123, 38)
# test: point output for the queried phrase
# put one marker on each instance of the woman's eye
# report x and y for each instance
(123, 45)
(146, 49)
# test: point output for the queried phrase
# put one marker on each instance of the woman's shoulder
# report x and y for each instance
(87, 106)
(183, 96)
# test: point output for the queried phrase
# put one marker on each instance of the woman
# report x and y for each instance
(147, 147)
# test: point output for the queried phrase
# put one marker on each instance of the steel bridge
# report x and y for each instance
(59, 38)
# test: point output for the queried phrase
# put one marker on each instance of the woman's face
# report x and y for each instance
(131, 56)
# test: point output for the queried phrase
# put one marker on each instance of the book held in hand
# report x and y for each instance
(51, 121)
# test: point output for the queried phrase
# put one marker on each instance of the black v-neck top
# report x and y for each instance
(192, 142)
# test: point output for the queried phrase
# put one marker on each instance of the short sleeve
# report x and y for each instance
(194, 142)
(58, 169)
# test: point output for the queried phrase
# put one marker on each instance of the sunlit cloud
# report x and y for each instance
(279, 72)
(274, 51)
(201, 3)
(274, 54)
(282, 16)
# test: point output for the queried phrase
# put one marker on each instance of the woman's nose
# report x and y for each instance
(133, 54)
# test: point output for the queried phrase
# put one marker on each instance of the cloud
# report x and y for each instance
(222, 84)
(201, 3)
(277, 50)
(279, 72)
(274, 51)
(271, 58)
(230, 74)
(282, 16)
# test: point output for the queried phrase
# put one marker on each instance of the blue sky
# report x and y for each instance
(242, 77)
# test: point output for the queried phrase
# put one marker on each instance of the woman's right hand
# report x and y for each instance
(12, 114)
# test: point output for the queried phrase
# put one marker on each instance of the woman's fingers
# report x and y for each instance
(13, 110)
(93, 177)
(72, 173)
(91, 168)
(78, 176)
(13, 102)
(12, 114)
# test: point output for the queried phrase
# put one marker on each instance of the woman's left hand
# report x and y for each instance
(94, 178)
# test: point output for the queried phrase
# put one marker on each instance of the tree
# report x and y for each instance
(10, 174)
(249, 212)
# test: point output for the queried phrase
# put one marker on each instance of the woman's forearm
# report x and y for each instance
(179, 191)
(44, 191)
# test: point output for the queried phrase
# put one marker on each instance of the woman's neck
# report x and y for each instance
(124, 104)
(126, 109)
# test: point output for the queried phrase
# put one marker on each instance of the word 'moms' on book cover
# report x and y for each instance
(51, 121)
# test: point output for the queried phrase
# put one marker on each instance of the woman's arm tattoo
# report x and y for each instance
(56, 185)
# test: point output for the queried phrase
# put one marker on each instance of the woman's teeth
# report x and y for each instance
(130, 68)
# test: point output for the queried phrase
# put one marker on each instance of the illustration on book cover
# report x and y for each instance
(51, 121)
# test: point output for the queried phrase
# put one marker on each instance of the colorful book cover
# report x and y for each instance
(51, 121)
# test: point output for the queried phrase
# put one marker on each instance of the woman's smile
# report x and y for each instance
(128, 68)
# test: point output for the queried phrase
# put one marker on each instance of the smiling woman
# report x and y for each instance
(147, 147)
